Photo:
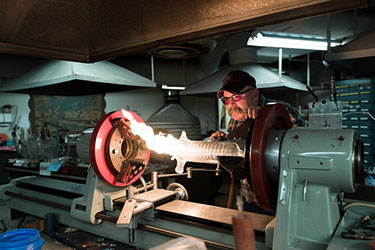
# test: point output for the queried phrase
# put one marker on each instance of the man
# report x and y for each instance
(243, 101)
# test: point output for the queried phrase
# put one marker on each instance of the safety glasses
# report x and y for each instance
(234, 98)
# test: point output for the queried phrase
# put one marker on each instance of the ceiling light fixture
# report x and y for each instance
(165, 86)
(291, 41)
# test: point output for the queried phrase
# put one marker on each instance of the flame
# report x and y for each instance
(182, 149)
(160, 143)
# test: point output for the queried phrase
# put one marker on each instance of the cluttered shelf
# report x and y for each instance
(58, 168)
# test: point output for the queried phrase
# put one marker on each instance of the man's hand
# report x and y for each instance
(252, 111)
(218, 135)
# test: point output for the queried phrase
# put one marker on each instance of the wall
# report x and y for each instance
(204, 107)
(144, 102)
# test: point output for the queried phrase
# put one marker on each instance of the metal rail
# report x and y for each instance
(43, 202)
(114, 220)
(163, 232)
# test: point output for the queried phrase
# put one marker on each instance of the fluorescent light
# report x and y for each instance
(291, 42)
(165, 86)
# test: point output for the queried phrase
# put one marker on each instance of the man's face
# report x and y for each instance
(239, 110)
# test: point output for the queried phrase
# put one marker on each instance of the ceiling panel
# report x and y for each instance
(88, 31)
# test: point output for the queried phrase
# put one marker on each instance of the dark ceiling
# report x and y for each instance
(94, 30)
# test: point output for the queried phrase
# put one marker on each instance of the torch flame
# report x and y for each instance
(160, 143)
(182, 149)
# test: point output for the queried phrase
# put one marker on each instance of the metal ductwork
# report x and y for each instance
(266, 80)
(244, 58)
(57, 77)
(172, 118)
(356, 58)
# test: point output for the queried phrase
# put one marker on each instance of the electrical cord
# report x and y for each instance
(20, 223)
(358, 204)
(358, 214)
(5, 228)
(364, 229)
(231, 193)
(356, 236)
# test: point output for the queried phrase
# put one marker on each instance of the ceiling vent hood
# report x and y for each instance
(172, 118)
(244, 59)
(355, 58)
(58, 77)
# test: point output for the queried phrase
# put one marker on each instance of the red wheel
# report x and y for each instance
(273, 116)
(113, 156)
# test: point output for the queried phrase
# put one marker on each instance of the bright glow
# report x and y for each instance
(159, 143)
(286, 42)
(182, 149)
(164, 86)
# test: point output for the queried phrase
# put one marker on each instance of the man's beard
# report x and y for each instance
(236, 109)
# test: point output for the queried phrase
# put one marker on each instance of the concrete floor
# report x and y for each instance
(67, 238)
(83, 240)
(52, 244)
